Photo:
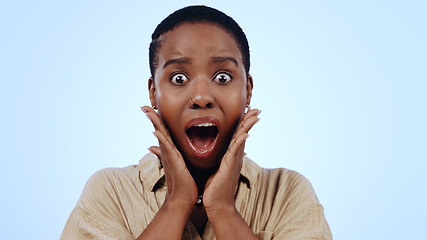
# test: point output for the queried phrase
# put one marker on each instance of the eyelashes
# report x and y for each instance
(179, 78)
(220, 78)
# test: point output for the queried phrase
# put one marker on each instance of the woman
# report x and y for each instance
(197, 183)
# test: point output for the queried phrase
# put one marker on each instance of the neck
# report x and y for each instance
(201, 176)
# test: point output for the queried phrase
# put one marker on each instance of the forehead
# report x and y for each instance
(201, 37)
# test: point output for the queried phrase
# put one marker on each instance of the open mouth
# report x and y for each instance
(202, 137)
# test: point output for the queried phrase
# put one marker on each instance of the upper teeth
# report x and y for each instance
(204, 125)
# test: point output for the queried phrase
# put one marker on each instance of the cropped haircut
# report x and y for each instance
(197, 14)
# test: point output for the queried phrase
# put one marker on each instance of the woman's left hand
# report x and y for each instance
(220, 189)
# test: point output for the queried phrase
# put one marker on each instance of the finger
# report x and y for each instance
(235, 152)
(248, 115)
(164, 144)
(237, 143)
(172, 155)
(157, 151)
(253, 112)
(154, 118)
(157, 122)
(249, 123)
(246, 126)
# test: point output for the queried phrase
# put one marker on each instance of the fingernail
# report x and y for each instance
(146, 113)
(154, 133)
(259, 111)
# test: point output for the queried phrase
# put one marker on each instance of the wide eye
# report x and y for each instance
(179, 78)
(222, 78)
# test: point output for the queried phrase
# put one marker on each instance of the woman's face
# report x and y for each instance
(200, 90)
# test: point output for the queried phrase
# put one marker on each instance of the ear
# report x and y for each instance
(152, 91)
(249, 87)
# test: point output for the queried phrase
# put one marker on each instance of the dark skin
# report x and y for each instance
(200, 79)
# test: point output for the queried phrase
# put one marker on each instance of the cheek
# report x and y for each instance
(168, 98)
(169, 108)
(234, 106)
(235, 99)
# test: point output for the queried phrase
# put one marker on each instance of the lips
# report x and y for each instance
(202, 135)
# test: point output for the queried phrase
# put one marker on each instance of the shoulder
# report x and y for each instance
(288, 184)
(126, 177)
(130, 180)
(110, 176)
(106, 185)
(288, 204)
(284, 187)
(285, 178)
(99, 210)
(275, 179)
(296, 205)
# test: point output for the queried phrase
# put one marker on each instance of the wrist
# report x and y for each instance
(172, 215)
(225, 221)
(178, 208)
(221, 212)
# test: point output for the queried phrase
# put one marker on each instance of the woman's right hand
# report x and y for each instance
(181, 188)
(181, 194)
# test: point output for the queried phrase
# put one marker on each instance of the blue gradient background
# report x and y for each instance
(342, 86)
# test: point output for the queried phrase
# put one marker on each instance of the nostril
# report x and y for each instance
(207, 105)
(201, 103)
(196, 106)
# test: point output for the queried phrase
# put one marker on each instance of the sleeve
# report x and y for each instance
(296, 213)
(308, 224)
(98, 213)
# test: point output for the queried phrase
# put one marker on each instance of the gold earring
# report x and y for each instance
(248, 107)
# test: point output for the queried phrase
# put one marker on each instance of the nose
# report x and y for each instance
(201, 95)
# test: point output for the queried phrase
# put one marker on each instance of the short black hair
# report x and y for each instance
(196, 14)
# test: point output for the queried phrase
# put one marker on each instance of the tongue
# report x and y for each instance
(201, 142)
(202, 137)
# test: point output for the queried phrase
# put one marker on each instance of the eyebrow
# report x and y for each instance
(185, 60)
(225, 59)
(180, 60)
